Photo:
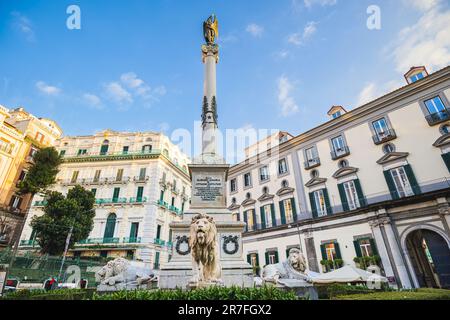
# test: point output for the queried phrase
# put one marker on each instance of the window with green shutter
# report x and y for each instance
(446, 158)
(412, 179)
(116, 193)
(294, 209)
(140, 192)
(362, 198)
(313, 204)
(110, 226)
(343, 197)
(245, 220)
(357, 248)
(282, 213)
(327, 202)
(391, 185)
(134, 231)
(272, 212)
(263, 217)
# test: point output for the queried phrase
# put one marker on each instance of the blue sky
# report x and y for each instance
(135, 65)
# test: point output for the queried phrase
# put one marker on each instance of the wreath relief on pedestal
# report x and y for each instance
(230, 244)
(180, 241)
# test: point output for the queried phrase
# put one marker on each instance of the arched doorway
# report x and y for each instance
(429, 254)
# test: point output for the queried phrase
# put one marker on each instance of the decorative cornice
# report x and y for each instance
(315, 181)
(392, 156)
(442, 141)
(285, 190)
(265, 197)
(234, 206)
(248, 202)
(342, 172)
(379, 222)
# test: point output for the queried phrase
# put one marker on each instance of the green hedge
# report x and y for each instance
(212, 293)
(41, 294)
(419, 294)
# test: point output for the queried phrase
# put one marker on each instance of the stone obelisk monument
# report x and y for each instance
(208, 199)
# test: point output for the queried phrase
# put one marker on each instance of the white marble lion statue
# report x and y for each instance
(121, 273)
(204, 250)
(292, 268)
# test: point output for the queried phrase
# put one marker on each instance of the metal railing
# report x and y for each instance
(438, 117)
(339, 153)
(384, 136)
(132, 240)
(311, 163)
(99, 240)
(159, 241)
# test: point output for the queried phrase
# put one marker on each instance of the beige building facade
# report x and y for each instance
(21, 135)
(370, 186)
(141, 183)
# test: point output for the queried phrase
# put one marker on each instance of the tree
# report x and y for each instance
(42, 173)
(75, 211)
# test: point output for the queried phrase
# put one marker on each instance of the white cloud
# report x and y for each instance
(422, 5)
(427, 42)
(322, 3)
(131, 80)
(47, 89)
(24, 25)
(282, 54)
(117, 93)
(140, 87)
(367, 94)
(93, 100)
(286, 101)
(372, 91)
(299, 38)
(255, 30)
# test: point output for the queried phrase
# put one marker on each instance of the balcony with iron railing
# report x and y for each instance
(438, 117)
(175, 210)
(40, 203)
(120, 155)
(162, 204)
(132, 240)
(159, 242)
(100, 241)
(340, 153)
(138, 200)
(312, 163)
(111, 201)
(382, 137)
(28, 243)
(141, 178)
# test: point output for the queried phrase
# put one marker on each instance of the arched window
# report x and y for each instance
(110, 226)
(104, 147)
(166, 152)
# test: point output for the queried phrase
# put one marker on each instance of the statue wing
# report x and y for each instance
(215, 27)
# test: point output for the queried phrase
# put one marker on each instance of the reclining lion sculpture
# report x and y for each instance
(292, 268)
(123, 274)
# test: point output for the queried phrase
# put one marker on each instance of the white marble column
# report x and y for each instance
(210, 57)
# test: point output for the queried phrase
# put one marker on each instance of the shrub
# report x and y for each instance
(212, 293)
(419, 294)
(41, 294)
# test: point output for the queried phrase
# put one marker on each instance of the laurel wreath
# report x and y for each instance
(227, 240)
(181, 240)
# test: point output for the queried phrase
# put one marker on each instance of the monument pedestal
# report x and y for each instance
(177, 273)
